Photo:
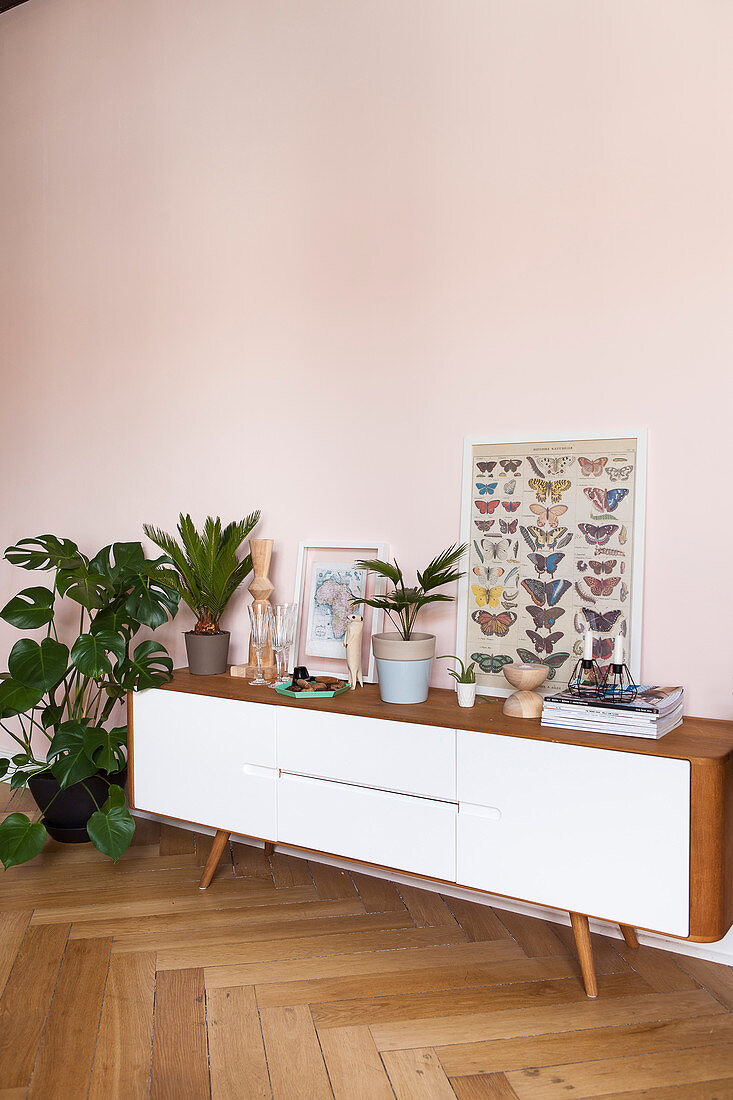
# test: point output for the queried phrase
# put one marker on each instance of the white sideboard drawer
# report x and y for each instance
(395, 756)
(207, 760)
(591, 830)
(393, 830)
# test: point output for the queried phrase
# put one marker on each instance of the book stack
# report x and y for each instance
(650, 712)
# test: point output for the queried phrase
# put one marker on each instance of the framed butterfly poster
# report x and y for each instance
(555, 530)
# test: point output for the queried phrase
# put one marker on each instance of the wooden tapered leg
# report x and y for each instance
(218, 845)
(629, 935)
(269, 848)
(585, 952)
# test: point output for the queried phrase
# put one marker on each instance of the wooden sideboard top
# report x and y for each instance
(700, 739)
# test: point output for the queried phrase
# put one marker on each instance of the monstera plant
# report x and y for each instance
(58, 703)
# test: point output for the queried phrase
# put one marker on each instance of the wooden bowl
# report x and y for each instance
(526, 677)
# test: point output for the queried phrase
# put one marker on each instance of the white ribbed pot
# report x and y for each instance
(403, 668)
(466, 694)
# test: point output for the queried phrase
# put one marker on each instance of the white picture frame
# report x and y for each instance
(635, 577)
(312, 554)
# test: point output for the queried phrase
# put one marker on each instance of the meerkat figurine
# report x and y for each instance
(354, 630)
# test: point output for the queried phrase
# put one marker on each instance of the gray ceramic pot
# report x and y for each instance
(207, 653)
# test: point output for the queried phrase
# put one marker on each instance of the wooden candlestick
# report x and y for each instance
(261, 588)
(525, 703)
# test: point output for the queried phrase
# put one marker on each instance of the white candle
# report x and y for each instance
(618, 650)
(588, 646)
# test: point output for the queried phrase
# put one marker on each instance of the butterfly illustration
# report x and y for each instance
(494, 624)
(484, 525)
(545, 617)
(606, 500)
(547, 564)
(597, 536)
(497, 549)
(488, 488)
(592, 467)
(484, 596)
(486, 507)
(545, 592)
(485, 468)
(602, 586)
(550, 465)
(491, 662)
(510, 465)
(601, 621)
(617, 473)
(508, 526)
(544, 645)
(510, 486)
(553, 489)
(600, 567)
(488, 576)
(624, 591)
(510, 505)
(540, 538)
(548, 515)
(553, 662)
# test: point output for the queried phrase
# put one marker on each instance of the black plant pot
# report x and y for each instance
(70, 809)
(207, 653)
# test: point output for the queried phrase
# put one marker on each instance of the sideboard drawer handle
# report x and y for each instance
(256, 769)
(490, 813)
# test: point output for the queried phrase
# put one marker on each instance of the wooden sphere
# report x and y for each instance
(526, 677)
(523, 704)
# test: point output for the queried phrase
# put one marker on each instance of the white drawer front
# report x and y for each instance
(207, 760)
(395, 756)
(393, 830)
(590, 830)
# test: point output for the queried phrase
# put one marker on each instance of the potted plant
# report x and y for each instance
(208, 571)
(465, 678)
(404, 657)
(57, 703)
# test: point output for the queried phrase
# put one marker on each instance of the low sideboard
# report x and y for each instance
(637, 832)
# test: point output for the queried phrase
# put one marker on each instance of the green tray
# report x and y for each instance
(282, 689)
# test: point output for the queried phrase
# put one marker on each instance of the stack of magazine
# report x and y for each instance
(649, 712)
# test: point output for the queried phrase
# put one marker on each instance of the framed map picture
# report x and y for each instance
(327, 581)
(555, 530)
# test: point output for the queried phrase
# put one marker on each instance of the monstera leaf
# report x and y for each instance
(31, 608)
(17, 698)
(105, 747)
(69, 750)
(90, 653)
(83, 586)
(149, 666)
(112, 828)
(41, 666)
(44, 552)
(20, 839)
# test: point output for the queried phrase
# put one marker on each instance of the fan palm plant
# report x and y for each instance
(403, 603)
(208, 569)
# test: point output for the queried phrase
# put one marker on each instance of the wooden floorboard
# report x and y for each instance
(290, 978)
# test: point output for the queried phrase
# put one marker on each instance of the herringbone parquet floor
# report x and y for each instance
(291, 979)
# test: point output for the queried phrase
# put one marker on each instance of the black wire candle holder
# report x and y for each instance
(617, 683)
(586, 678)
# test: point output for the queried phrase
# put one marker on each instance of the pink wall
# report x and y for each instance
(287, 255)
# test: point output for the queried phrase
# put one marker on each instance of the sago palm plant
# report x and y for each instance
(208, 567)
